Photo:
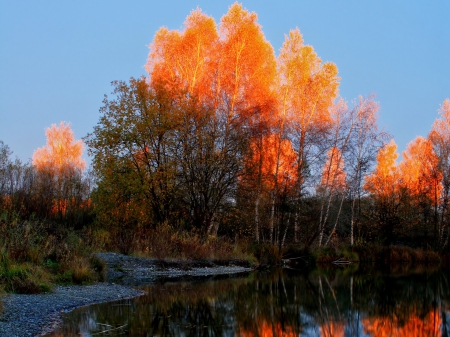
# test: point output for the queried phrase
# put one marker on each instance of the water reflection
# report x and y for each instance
(282, 303)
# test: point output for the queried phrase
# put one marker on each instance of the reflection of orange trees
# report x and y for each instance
(332, 329)
(267, 329)
(428, 326)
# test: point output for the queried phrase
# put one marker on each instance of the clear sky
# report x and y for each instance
(58, 58)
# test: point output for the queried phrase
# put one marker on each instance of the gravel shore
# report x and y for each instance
(35, 315)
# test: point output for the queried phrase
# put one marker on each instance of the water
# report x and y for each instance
(338, 302)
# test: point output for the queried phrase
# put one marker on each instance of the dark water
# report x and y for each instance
(338, 302)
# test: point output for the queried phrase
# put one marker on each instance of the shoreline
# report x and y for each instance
(40, 314)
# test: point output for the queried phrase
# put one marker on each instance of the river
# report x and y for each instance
(328, 302)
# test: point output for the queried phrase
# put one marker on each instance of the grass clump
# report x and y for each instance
(25, 278)
(33, 254)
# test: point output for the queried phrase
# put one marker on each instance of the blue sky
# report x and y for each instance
(58, 58)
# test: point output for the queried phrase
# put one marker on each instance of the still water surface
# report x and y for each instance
(337, 303)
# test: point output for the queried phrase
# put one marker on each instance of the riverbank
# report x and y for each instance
(34, 315)
(39, 314)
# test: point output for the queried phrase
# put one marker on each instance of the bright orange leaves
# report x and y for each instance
(307, 86)
(419, 169)
(279, 164)
(61, 153)
(186, 60)
(233, 71)
(383, 181)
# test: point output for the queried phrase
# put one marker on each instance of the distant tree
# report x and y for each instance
(384, 186)
(59, 165)
(61, 153)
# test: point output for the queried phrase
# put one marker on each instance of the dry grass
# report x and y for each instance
(34, 254)
(167, 243)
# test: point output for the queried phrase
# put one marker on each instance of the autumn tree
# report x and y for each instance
(229, 71)
(278, 177)
(61, 153)
(60, 166)
(133, 148)
(440, 138)
(384, 186)
(421, 180)
(308, 88)
(366, 140)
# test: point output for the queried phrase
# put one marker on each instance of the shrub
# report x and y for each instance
(266, 254)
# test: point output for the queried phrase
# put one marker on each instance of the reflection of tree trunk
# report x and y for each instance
(257, 217)
(352, 221)
(272, 313)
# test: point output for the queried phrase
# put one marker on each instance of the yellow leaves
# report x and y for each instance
(61, 152)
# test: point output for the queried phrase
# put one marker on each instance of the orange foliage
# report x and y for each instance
(186, 60)
(307, 86)
(265, 329)
(247, 66)
(419, 171)
(285, 174)
(307, 90)
(384, 180)
(234, 71)
(428, 326)
(61, 153)
(333, 174)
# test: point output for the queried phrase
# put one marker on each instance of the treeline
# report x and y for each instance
(224, 139)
